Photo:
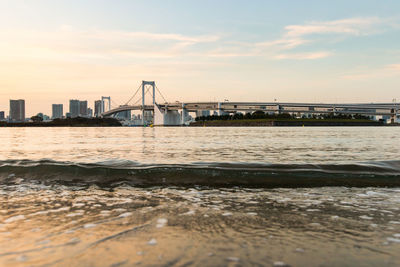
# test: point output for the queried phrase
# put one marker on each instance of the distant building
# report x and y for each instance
(17, 110)
(57, 111)
(126, 115)
(2, 116)
(74, 108)
(83, 108)
(89, 112)
(97, 108)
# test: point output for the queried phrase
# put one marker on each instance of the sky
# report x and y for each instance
(255, 50)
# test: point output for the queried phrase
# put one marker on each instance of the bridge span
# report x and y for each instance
(176, 113)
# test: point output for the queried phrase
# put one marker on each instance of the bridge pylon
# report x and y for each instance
(153, 85)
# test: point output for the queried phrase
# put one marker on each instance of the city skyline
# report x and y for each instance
(309, 52)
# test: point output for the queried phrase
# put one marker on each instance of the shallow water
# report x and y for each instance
(79, 197)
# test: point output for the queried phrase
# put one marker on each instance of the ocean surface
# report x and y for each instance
(181, 196)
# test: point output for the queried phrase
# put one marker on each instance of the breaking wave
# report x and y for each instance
(114, 173)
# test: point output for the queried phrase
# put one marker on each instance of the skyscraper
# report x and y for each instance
(74, 108)
(2, 116)
(17, 110)
(83, 109)
(57, 111)
(97, 108)
(89, 112)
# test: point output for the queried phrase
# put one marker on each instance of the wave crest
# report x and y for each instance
(113, 173)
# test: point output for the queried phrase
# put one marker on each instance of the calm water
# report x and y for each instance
(200, 196)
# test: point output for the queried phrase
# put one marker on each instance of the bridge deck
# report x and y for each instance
(351, 108)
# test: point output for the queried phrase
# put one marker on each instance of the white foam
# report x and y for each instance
(252, 213)
(78, 205)
(394, 222)
(190, 212)
(365, 217)
(232, 259)
(280, 264)
(334, 217)
(152, 242)
(89, 225)
(161, 222)
(393, 240)
(227, 214)
(126, 214)
(105, 213)
(396, 235)
(15, 218)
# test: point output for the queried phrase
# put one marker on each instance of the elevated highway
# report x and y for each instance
(175, 113)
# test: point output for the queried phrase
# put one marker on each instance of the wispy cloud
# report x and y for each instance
(298, 35)
(301, 56)
(71, 44)
(352, 26)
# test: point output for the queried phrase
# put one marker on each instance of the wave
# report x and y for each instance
(212, 174)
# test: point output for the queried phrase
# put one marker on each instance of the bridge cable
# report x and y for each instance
(133, 95)
(141, 98)
(158, 90)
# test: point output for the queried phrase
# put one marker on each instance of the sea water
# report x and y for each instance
(181, 196)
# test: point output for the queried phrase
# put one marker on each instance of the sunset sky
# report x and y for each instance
(311, 51)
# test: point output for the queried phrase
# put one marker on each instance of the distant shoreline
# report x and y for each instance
(291, 122)
(70, 122)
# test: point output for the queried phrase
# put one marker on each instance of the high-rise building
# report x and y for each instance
(17, 110)
(83, 109)
(74, 108)
(57, 111)
(89, 112)
(97, 108)
(2, 116)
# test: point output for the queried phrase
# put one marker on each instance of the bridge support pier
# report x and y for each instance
(103, 106)
(183, 114)
(219, 108)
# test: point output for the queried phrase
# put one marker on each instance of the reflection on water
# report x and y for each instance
(128, 226)
(186, 145)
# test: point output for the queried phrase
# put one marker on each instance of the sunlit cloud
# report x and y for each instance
(302, 34)
(352, 26)
(302, 56)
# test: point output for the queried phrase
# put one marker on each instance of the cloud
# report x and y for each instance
(302, 56)
(302, 34)
(352, 26)
(70, 44)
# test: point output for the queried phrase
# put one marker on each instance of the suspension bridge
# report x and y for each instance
(177, 113)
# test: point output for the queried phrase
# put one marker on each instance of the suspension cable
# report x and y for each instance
(147, 89)
(133, 95)
(158, 90)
